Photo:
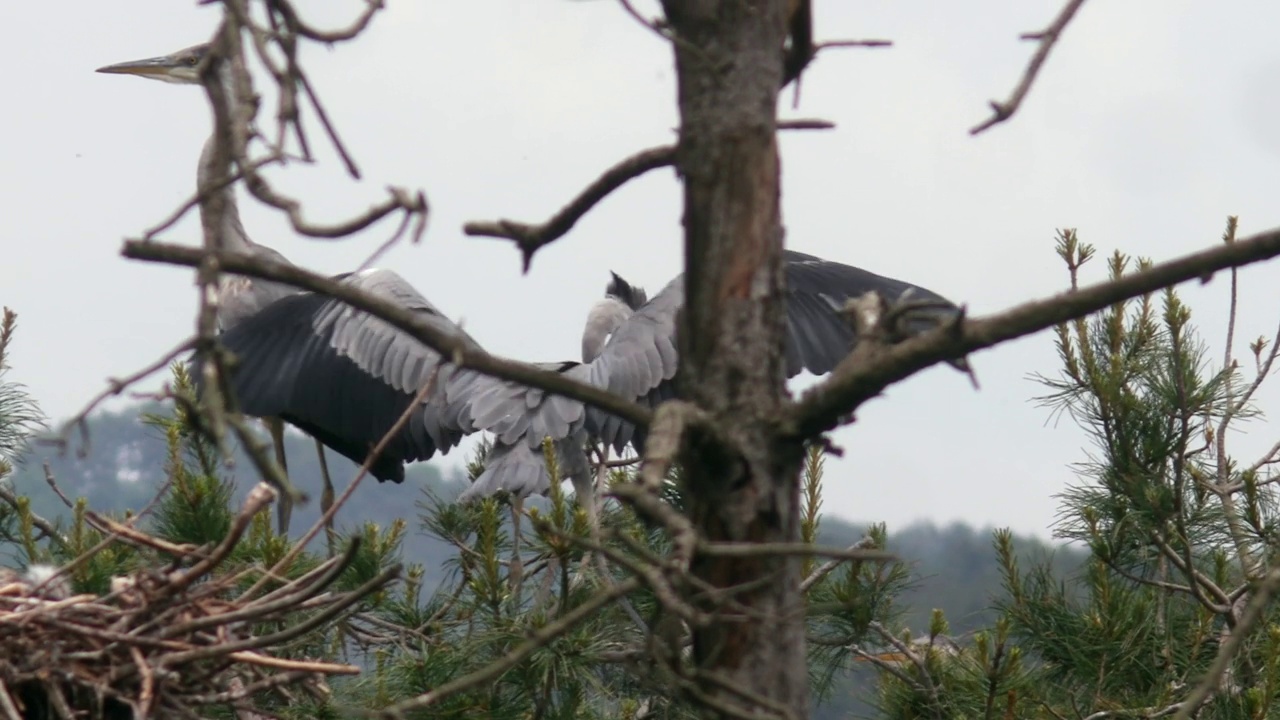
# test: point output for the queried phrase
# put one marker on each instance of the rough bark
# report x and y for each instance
(742, 484)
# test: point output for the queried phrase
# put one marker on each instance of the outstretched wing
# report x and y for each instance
(345, 376)
(818, 335)
(640, 359)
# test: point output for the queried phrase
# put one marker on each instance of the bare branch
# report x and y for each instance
(853, 44)
(657, 25)
(12, 500)
(114, 387)
(751, 549)
(531, 238)
(327, 36)
(874, 366)
(1047, 38)
(259, 497)
(925, 677)
(234, 133)
(457, 349)
(1227, 651)
(801, 50)
(826, 568)
(327, 516)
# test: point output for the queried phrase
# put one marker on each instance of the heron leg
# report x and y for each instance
(516, 571)
(589, 495)
(284, 508)
(326, 496)
(584, 491)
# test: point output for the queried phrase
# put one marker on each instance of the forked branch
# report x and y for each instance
(532, 237)
(1047, 38)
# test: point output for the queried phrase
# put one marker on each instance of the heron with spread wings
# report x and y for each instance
(345, 377)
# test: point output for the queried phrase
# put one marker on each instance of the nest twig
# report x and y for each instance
(164, 643)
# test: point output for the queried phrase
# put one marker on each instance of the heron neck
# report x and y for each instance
(605, 317)
(230, 234)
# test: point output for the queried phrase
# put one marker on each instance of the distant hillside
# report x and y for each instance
(955, 566)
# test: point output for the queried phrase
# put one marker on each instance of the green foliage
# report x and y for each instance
(1180, 533)
(20, 416)
(515, 570)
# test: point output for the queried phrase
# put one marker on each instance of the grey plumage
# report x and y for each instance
(346, 377)
(639, 361)
(621, 299)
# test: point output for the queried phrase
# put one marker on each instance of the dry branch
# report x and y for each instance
(530, 237)
(1047, 38)
(1227, 652)
(115, 386)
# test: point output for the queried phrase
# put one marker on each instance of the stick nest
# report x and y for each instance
(164, 643)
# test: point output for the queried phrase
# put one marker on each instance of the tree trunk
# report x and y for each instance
(742, 484)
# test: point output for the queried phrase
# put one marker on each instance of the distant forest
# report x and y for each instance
(954, 566)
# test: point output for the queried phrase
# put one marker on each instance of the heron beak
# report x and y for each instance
(151, 67)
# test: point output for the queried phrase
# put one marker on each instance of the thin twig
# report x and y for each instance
(529, 238)
(826, 568)
(753, 549)
(1230, 647)
(114, 387)
(327, 516)
(11, 498)
(1047, 38)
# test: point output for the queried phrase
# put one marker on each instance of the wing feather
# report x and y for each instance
(344, 375)
(640, 359)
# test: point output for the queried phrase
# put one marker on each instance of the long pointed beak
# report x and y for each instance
(156, 66)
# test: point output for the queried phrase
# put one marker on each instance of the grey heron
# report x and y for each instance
(629, 348)
(338, 374)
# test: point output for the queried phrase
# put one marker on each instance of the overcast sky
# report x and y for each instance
(1153, 120)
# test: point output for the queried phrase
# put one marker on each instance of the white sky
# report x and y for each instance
(1153, 120)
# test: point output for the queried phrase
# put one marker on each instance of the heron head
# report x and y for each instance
(632, 295)
(180, 67)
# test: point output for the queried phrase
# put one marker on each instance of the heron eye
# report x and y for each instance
(192, 60)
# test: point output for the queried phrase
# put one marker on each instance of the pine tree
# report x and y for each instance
(1180, 534)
